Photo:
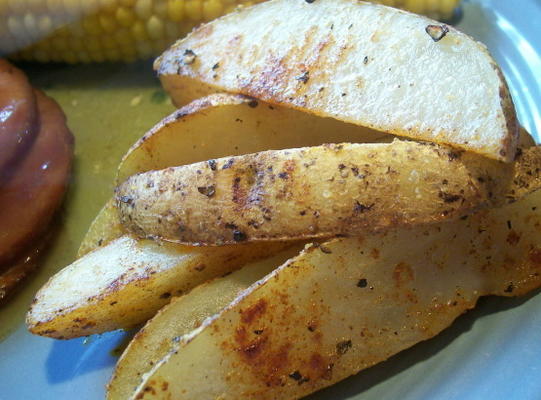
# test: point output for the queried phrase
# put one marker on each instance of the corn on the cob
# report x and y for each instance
(123, 30)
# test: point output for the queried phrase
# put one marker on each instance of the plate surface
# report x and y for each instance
(491, 352)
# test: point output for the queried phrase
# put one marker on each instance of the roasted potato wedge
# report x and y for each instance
(105, 228)
(126, 282)
(349, 303)
(222, 125)
(181, 316)
(330, 190)
(216, 126)
(358, 62)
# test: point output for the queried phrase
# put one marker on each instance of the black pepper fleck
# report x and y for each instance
(362, 283)
(304, 77)
(343, 347)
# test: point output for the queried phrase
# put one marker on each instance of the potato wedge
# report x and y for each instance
(126, 282)
(330, 190)
(105, 228)
(223, 125)
(358, 62)
(347, 304)
(216, 126)
(181, 316)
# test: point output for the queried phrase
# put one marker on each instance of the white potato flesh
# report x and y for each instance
(224, 125)
(181, 316)
(126, 282)
(349, 303)
(358, 62)
(103, 229)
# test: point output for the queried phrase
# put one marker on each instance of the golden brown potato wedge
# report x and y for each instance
(216, 126)
(350, 303)
(126, 282)
(358, 62)
(181, 316)
(222, 125)
(105, 228)
(330, 190)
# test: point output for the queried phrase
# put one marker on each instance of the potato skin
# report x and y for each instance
(350, 303)
(323, 191)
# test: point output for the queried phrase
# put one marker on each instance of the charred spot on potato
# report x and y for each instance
(253, 103)
(343, 347)
(126, 199)
(449, 198)
(362, 283)
(212, 164)
(283, 175)
(325, 250)
(229, 163)
(295, 375)
(509, 288)
(437, 32)
(309, 1)
(216, 66)
(361, 208)
(208, 191)
(304, 77)
(188, 57)
(239, 236)
(165, 295)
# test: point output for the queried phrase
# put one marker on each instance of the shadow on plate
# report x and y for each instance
(69, 359)
(358, 384)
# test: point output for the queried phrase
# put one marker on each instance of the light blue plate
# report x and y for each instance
(493, 352)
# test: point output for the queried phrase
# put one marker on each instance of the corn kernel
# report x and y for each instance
(193, 9)
(70, 57)
(108, 6)
(123, 37)
(93, 43)
(41, 56)
(89, 6)
(212, 9)
(155, 27)
(107, 43)
(76, 44)
(175, 10)
(144, 48)
(125, 16)
(45, 25)
(160, 9)
(143, 9)
(72, 8)
(416, 6)
(30, 25)
(60, 43)
(172, 30)
(139, 31)
(92, 25)
(127, 3)
(97, 56)
(108, 23)
(16, 6)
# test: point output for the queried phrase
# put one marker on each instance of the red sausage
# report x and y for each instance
(29, 199)
(18, 115)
